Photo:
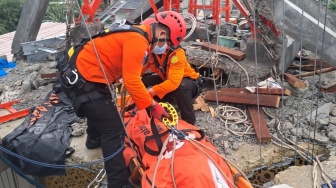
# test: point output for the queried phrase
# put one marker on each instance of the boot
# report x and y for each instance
(93, 141)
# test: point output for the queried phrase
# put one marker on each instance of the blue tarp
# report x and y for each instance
(5, 64)
(333, 184)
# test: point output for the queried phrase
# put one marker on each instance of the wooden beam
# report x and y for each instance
(266, 91)
(311, 61)
(329, 88)
(235, 54)
(259, 123)
(243, 98)
(316, 72)
(294, 81)
(204, 107)
(49, 75)
(307, 67)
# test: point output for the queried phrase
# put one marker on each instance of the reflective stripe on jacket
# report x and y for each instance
(122, 55)
(177, 68)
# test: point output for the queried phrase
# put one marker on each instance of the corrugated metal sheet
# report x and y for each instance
(130, 5)
(47, 30)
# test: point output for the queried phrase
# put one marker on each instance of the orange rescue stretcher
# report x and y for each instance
(196, 162)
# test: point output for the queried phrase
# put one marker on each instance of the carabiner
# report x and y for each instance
(76, 78)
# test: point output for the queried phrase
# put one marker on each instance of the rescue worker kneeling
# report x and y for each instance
(191, 167)
(175, 81)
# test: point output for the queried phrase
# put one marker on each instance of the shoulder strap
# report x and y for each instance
(162, 68)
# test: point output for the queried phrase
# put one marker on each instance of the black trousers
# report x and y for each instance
(103, 119)
(183, 96)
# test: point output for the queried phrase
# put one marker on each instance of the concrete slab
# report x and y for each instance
(301, 176)
(306, 22)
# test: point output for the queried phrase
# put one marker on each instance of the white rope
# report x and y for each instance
(187, 16)
(230, 115)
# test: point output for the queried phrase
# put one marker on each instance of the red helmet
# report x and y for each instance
(148, 21)
(175, 22)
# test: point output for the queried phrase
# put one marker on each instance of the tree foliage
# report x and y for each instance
(10, 12)
(332, 5)
(56, 11)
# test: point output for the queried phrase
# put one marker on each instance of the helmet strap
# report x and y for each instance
(154, 39)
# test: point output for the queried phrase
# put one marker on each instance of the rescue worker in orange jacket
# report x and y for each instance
(175, 80)
(85, 77)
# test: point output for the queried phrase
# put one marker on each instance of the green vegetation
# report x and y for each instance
(10, 12)
(56, 11)
(332, 5)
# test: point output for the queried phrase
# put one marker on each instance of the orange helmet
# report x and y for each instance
(148, 21)
(175, 22)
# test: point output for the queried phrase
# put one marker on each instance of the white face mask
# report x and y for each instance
(159, 50)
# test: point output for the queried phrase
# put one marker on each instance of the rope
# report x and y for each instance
(61, 166)
(214, 162)
(172, 162)
(19, 172)
(193, 23)
(230, 115)
(225, 159)
(300, 150)
(159, 159)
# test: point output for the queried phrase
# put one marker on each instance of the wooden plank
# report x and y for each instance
(329, 88)
(311, 61)
(316, 72)
(259, 123)
(49, 75)
(235, 54)
(307, 67)
(266, 91)
(204, 107)
(243, 98)
(294, 81)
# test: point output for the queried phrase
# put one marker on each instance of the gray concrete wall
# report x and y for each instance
(29, 24)
(288, 15)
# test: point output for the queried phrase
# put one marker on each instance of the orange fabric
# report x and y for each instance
(192, 168)
(177, 68)
(122, 55)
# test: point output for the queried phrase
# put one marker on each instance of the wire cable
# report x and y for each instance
(256, 73)
(61, 166)
(111, 90)
(312, 104)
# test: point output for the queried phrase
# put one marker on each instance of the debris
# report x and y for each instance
(253, 90)
(243, 98)
(212, 111)
(13, 113)
(316, 72)
(259, 123)
(294, 81)
(49, 75)
(200, 102)
(329, 88)
(235, 54)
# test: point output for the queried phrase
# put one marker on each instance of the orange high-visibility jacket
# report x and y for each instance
(192, 168)
(177, 68)
(122, 55)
